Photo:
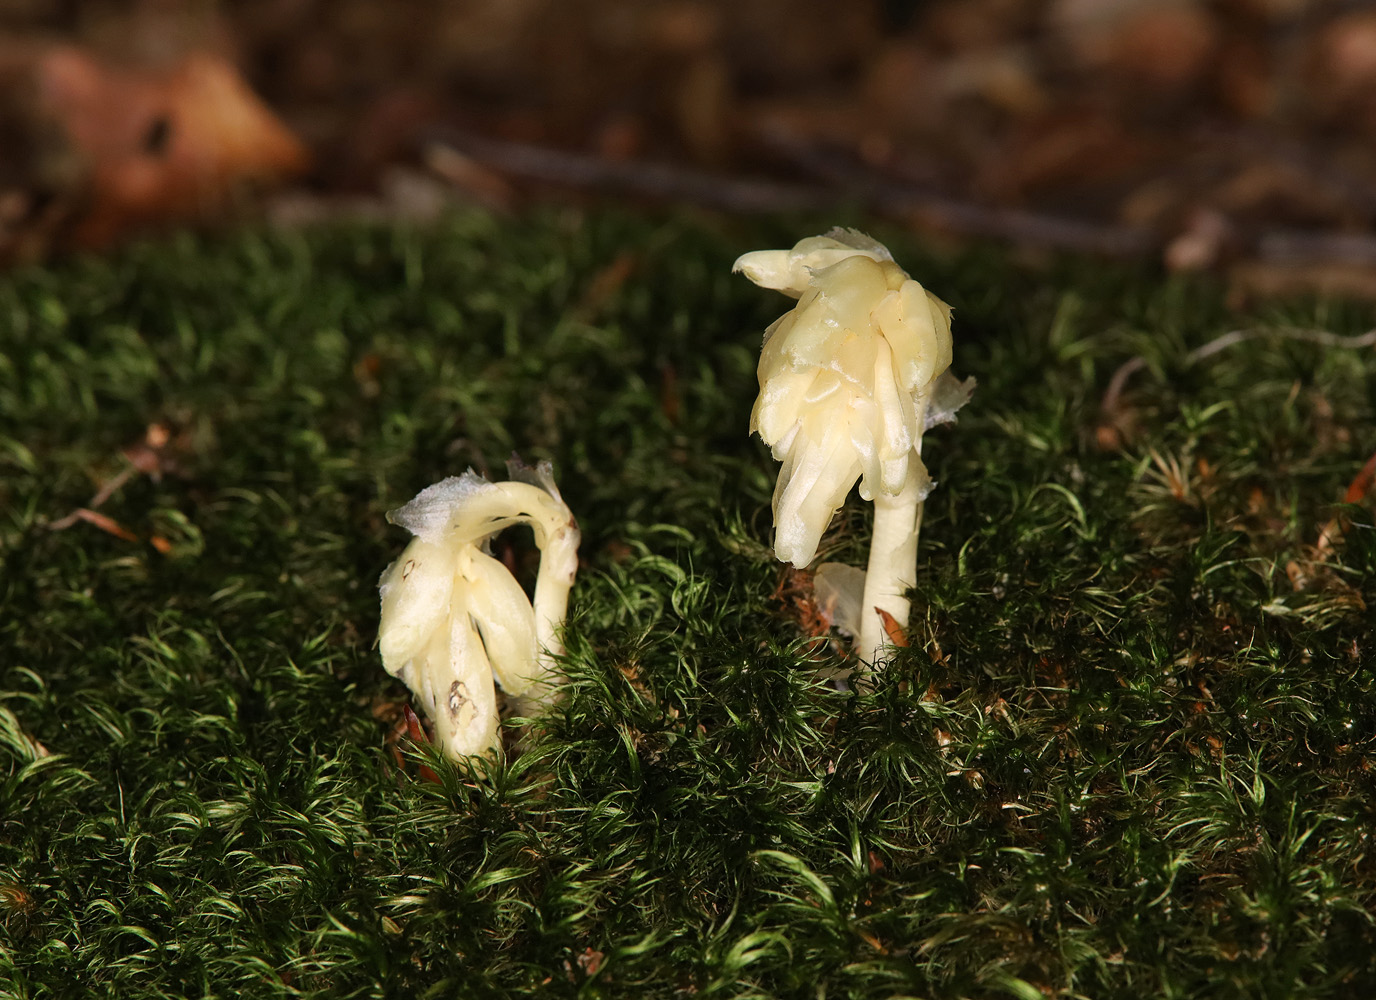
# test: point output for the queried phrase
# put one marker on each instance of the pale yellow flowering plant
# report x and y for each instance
(850, 378)
(454, 619)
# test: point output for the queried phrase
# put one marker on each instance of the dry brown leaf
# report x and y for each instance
(1155, 45)
(412, 728)
(590, 961)
(15, 900)
(797, 593)
(1073, 149)
(106, 524)
(874, 942)
(631, 672)
(1342, 72)
(1331, 534)
(161, 146)
(1360, 486)
(897, 636)
(152, 456)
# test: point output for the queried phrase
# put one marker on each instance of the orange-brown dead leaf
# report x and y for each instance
(632, 674)
(417, 734)
(607, 282)
(892, 629)
(161, 146)
(106, 524)
(874, 942)
(15, 900)
(795, 591)
(153, 455)
(618, 551)
(590, 961)
(1361, 483)
(1336, 526)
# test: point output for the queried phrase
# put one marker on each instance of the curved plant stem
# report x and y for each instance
(558, 567)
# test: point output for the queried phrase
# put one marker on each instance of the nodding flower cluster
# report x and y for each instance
(454, 619)
(850, 378)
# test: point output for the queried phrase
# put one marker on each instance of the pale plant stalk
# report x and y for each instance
(558, 567)
(892, 569)
(847, 379)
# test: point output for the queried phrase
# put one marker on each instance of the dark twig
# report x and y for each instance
(1109, 404)
(655, 180)
(963, 218)
(106, 491)
(846, 183)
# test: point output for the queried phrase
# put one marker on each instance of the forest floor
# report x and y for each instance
(1127, 751)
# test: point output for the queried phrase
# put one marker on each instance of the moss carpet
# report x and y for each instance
(1128, 752)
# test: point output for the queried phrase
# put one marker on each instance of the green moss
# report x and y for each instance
(1124, 755)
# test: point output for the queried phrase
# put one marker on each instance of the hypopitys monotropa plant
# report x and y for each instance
(454, 618)
(850, 378)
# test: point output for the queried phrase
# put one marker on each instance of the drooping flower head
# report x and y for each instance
(453, 616)
(848, 380)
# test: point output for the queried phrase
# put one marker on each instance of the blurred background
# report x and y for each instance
(1226, 135)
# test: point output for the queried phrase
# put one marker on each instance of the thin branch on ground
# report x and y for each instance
(846, 184)
(962, 218)
(108, 489)
(654, 180)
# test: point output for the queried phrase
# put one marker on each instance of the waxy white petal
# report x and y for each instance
(453, 617)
